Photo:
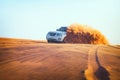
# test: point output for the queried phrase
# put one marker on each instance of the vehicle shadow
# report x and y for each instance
(101, 73)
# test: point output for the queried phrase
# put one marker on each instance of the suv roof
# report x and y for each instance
(56, 32)
(63, 28)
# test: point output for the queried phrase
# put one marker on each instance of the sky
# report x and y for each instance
(32, 19)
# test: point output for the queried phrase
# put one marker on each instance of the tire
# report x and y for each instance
(48, 41)
(63, 40)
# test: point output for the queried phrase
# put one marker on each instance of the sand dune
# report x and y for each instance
(38, 60)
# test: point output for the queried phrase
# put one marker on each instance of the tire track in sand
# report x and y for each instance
(95, 71)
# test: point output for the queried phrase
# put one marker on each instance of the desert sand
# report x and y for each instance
(39, 60)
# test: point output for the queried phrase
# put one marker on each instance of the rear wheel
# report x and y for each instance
(48, 41)
(64, 40)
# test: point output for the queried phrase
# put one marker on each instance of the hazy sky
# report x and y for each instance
(32, 19)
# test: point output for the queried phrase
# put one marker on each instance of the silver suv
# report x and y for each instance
(57, 36)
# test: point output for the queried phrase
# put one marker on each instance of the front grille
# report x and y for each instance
(52, 39)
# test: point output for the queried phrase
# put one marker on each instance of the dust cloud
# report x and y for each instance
(78, 33)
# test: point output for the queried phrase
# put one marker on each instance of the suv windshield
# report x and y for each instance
(52, 34)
